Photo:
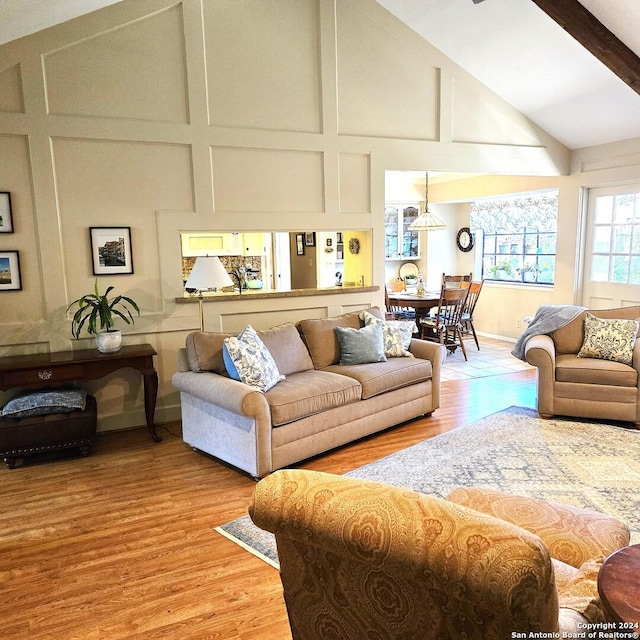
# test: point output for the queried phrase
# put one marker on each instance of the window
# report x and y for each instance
(519, 237)
(616, 239)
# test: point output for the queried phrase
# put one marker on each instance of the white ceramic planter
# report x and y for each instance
(108, 341)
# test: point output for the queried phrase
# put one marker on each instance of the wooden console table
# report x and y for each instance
(52, 369)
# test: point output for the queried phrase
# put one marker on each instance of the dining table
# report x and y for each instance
(421, 303)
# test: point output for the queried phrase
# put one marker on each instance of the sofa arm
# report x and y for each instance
(427, 350)
(540, 351)
(226, 393)
(436, 354)
(572, 535)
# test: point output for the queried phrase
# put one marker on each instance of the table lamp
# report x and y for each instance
(207, 273)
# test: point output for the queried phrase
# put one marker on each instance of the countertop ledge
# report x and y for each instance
(259, 294)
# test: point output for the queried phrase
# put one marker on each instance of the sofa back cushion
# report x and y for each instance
(204, 349)
(569, 338)
(321, 339)
(287, 348)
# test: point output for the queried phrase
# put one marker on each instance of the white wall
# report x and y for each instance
(228, 115)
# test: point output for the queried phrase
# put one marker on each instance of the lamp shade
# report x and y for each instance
(427, 222)
(208, 273)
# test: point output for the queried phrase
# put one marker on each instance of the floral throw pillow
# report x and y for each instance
(609, 339)
(247, 359)
(396, 334)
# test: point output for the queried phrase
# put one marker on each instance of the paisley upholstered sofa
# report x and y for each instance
(319, 403)
(360, 559)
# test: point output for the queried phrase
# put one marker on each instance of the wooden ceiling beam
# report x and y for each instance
(595, 37)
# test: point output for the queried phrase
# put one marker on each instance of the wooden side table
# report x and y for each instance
(53, 369)
(619, 585)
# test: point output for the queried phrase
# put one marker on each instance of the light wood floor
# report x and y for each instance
(121, 544)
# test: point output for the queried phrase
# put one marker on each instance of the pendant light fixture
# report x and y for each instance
(427, 221)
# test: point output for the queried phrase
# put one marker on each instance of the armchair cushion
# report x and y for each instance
(569, 368)
(609, 339)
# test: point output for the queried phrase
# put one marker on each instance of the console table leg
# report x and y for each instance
(150, 396)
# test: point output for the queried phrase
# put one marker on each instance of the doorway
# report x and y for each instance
(612, 248)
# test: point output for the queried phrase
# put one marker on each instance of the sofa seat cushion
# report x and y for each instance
(380, 377)
(570, 368)
(309, 392)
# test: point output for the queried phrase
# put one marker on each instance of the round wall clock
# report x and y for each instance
(464, 239)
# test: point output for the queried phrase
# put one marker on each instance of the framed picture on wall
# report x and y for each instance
(310, 239)
(299, 244)
(10, 279)
(6, 221)
(111, 250)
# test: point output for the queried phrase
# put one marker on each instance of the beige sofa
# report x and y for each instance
(319, 405)
(585, 387)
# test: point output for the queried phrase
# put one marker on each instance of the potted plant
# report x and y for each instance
(99, 313)
(503, 271)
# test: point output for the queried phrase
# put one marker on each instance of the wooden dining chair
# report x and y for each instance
(395, 312)
(453, 282)
(468, 329)
(446, 326)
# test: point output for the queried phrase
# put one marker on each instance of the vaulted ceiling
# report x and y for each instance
(513, 46)
(523, 55)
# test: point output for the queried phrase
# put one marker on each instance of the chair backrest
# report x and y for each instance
(451, 307)
(390, 307)
(453, 282)
(373, 560)
(475, 288)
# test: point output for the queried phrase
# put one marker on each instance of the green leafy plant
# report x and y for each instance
(504, 266)
(99, 313)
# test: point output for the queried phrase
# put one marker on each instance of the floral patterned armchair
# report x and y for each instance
(361, 559)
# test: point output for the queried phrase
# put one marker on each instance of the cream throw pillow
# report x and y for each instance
(609, 339)
(396, 334)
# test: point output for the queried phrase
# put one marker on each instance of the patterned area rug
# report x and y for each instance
(586, 464)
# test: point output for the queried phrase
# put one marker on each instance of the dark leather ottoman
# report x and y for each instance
(21, 437)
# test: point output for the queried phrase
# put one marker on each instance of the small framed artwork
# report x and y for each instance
(310, 239)
(299, 244)
(10, 279)
(111, 250)
(6, 221)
